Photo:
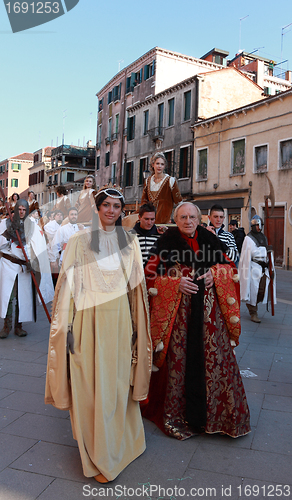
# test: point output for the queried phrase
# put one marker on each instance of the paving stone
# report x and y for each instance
(23, 383)
(22, 368)
(25, 485)
(7, 416)
(267, 387)
(254, 464)
(42, 360)
(162, 453)
(4, 393)
(19, 355)
(52, 460)
(31, 403)
(279, 403)
(12, 447)
(281, 372)
(273, 433)
(257, 359)
(51, 429)
(255, 403)
(61, 489)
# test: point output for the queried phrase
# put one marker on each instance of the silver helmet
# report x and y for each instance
(257, 221)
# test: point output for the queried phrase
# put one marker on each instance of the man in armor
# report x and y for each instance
(253, 269)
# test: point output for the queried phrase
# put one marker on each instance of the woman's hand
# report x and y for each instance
(187, 286)
(208, 277)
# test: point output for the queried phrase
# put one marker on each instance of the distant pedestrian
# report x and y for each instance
(238, 233)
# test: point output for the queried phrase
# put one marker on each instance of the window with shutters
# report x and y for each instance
(129, 173)
(145, 122)
(170, 168)
(16, 167)
(187, 105)
(202, 164)
(131, 128)
(285, 154)
(70, 176)
(107, 158)
(160, 116)
(184, 161)
(97, 162)
(110, 97)
(261, 159)
(100, 105)
(171, 112)
(238, 157)
(142, 169)
(14, 183)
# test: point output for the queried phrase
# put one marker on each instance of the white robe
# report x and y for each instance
(61, 238)
(250, 272)
(37, 253)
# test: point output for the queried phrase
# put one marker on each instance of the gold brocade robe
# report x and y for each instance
(107, 375)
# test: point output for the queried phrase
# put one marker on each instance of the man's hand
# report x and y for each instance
(187, 286)
(212, 229)
(208, 277)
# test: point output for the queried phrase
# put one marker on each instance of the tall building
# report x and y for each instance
(38, 174)
(265, 72)
(146, 77)
(14, 172)
(234, 152)
(163, 122)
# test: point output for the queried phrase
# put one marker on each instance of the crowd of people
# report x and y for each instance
(144, 321)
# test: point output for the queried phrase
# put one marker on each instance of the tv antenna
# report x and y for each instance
(241, 19)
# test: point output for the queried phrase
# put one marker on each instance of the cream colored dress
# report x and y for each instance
(108, 375)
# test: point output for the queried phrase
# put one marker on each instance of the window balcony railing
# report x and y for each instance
(98, 145)
(107, 140)
(115, 136)
(156, 133)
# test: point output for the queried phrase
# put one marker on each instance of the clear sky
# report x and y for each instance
(61, 65)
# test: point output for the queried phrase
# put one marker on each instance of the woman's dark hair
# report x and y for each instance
(14, 195)
(61, 190)
(122, 235)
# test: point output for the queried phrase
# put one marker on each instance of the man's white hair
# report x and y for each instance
(182, 203)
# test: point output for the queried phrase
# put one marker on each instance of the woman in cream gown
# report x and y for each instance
(101, 295)
(85, 202)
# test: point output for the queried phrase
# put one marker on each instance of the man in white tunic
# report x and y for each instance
(253, 269)
(15, 277)
(62, 236)
(50, 230)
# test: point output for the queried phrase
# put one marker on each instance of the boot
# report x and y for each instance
(19, 330)
(255, 318)
(6, 328)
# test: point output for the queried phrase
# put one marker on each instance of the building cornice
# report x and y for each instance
(243, 109)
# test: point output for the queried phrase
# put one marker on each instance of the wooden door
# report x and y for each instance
(276, 227)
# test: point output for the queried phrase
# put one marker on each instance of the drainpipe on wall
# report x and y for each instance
(122, 123)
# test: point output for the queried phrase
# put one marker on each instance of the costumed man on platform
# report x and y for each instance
(62, 236)
(253, 269)
(15, 277)
(195, 323)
